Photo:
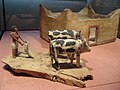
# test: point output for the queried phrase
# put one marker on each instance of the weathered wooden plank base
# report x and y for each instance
(39, 66)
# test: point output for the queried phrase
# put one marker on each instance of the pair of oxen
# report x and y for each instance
(69, 42)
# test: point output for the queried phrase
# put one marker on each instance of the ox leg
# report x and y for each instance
(50, 49)
(71, 58)
(68, 56)
(52, 59)
(78, 59)
(56, 62)
(51, 54)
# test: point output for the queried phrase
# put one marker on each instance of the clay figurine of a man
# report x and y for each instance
(15, 41)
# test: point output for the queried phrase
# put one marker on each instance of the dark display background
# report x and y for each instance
(25, 13)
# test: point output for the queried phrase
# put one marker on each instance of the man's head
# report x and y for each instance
(14, 27)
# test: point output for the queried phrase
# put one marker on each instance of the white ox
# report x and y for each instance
(69, 47)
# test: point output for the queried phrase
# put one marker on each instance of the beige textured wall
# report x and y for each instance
(107, 27)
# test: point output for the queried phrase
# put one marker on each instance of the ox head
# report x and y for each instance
(78, 34)
(86, 47)
(50, 35)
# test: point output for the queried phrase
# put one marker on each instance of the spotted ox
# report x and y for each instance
(68, 46)
(63, 34)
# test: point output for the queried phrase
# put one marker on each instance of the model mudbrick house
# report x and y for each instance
(96, 28)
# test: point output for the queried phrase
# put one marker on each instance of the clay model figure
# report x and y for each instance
(63, 34)
(26, 49)
(68, 46)
(94, 26)
(57, 39)
(15, 40)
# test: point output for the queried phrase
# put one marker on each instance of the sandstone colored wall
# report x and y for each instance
(107, 25)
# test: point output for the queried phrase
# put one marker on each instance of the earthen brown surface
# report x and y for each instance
(40, 66)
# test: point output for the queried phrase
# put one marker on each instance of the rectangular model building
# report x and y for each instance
(96, 28)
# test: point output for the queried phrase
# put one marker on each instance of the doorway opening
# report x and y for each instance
(93, 35)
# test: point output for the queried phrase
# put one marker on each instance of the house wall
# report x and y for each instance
(48, 23)
(107, 27)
